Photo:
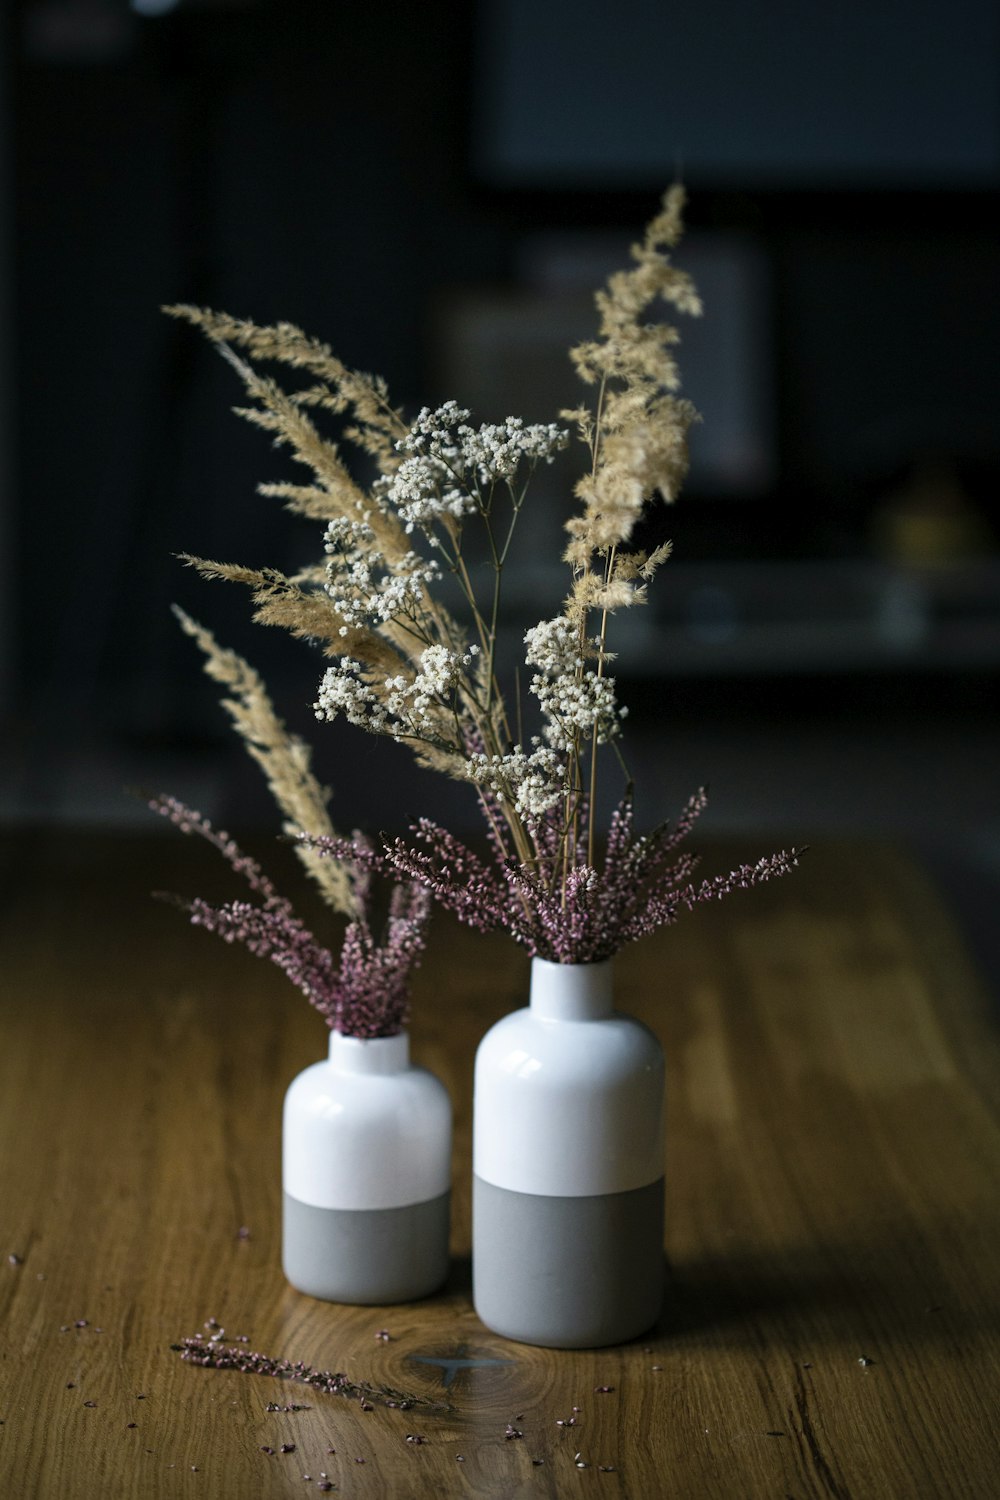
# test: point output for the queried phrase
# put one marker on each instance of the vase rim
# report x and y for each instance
(370, 1054)
(573, 963)
(572, 992)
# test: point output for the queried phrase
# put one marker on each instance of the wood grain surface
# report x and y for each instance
(833, 1169)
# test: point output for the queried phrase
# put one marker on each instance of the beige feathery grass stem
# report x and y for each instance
(591, 816)
(283, 757)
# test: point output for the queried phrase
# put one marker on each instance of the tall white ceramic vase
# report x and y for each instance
(366, 1167)
(568, 1166)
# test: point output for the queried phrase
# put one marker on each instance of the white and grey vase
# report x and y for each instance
(366, 1168)
(568, 1166)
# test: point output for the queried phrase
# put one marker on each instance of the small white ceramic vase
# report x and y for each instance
(568, 1166)
(366, 1167)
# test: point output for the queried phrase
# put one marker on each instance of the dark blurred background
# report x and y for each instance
(436, 189)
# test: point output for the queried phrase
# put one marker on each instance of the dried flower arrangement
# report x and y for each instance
(402, 665)
(366, 992)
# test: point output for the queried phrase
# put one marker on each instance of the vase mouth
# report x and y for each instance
(369, 1054)
(572, 992)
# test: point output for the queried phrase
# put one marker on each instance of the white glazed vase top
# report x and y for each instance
(565, 1107)
(366, 1130)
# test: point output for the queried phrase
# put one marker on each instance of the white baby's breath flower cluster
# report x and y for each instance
(495, 450)
(420, 703)
(362, 589)
(575, 698)
(532, 784)
(344, 691)
(419, 707)
(449, 464)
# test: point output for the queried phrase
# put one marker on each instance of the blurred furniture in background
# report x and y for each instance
(437, 199)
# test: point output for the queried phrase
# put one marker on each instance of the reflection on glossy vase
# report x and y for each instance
(366, 1160)
(568, 1166)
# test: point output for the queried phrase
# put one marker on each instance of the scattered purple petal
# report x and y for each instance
(287, 1448)
(603, 1390)
(512, 1432)
(243, 1232)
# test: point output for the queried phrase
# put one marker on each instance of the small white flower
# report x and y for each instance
(534, 783)
(446, 461)
(575, 700)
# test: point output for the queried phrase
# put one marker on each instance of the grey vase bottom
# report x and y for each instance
(568, 1273)
(366, 1255)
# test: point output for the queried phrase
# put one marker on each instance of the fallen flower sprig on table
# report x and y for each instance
(217, 1356)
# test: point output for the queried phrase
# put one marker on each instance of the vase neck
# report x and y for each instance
(377, 1054)
(572, 992)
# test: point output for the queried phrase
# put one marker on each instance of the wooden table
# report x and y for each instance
(833, 1205)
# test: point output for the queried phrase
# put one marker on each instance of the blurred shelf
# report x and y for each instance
(797, 617)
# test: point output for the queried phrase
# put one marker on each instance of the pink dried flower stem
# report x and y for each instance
(641, 886)
(363, 994)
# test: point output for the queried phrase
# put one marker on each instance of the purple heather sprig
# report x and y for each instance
(366, 992)
(640, 886)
